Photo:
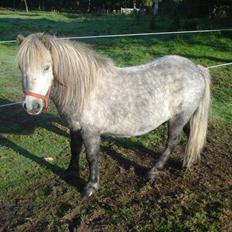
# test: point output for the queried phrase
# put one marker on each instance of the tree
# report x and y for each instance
(89, 6)
(26, 6)
(155, 7)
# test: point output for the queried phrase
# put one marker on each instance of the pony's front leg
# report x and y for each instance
(92, 146)
(76, 145)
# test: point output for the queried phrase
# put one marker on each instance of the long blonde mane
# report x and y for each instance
(76, 68)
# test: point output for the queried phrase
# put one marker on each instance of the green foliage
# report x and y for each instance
(148, 2)
(186, 8)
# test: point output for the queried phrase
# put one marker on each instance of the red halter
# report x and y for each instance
(44, 98)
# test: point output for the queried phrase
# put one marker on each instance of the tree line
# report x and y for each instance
(185, 8)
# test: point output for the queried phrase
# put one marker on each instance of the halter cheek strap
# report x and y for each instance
(44, 98)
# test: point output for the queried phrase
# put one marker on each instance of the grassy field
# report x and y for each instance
(33, 195)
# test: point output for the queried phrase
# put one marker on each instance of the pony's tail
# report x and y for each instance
(198, 124)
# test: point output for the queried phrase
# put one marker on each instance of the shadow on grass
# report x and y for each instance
(15, 121)
(63, 27)
(77, 183)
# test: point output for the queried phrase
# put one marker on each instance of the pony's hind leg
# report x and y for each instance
(175, 126)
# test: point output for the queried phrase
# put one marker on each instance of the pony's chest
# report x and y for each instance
(72, 122)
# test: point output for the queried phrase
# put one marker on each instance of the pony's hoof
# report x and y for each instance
(89, 190)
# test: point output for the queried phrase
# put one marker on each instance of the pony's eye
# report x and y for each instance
(46, 68)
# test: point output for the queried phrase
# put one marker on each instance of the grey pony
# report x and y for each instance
(95, 98)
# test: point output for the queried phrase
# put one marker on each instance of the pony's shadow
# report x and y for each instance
(125, 163)
(77, 183)
(173, 164)
(15, 121)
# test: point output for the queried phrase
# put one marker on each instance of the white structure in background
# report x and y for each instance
(127, 11)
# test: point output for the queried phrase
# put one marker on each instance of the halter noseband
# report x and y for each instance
(45, 98)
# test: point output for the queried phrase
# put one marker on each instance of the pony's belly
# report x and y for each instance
(127, 135)
(137, 122)
(132, 129)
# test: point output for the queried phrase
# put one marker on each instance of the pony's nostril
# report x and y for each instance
(24, 106)
(36, 106)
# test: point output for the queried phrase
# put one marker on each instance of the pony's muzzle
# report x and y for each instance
(33, 106)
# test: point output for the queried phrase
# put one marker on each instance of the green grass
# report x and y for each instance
(31, 187)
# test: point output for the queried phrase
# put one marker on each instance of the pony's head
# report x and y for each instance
(35, 62)
(70, 67)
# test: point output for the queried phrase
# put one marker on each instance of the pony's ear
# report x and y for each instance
(20, 38)
(45, 41)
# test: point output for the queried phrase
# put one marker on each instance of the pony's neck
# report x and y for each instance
(76, 71)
